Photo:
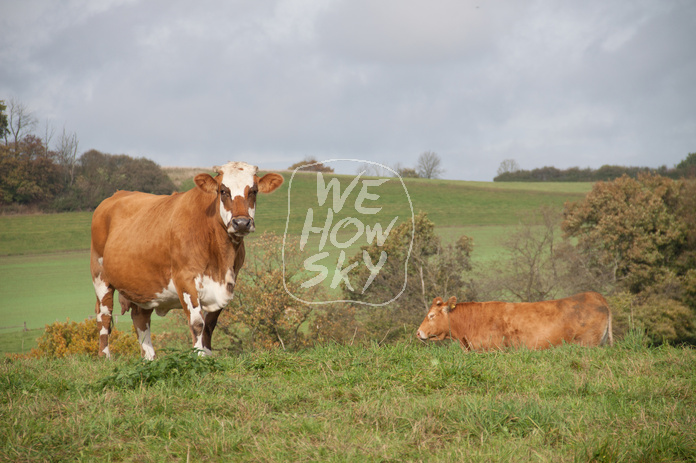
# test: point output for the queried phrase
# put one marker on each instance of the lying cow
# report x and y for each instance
(179, 251)
(581, 319)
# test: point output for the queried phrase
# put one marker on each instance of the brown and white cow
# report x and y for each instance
(581, 319)
(179, 251)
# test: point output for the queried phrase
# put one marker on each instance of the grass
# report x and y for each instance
(44, 233)
(403, 402)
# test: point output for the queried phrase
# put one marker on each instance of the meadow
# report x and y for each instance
(402, 402)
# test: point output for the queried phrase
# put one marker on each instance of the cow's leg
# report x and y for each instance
(210, 323)
(103, 309)
(141, 323)
(195, 313)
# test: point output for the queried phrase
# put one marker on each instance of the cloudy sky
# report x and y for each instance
(544, 82)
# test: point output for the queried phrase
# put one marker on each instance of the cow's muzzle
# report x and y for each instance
(241, 226)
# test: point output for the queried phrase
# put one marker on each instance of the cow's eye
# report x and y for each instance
(224, 193)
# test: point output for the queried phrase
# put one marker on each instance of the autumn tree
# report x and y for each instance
(640, 231)
(311, 165)
(630, 225)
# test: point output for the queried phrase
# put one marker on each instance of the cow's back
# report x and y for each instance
(130, 242)
(581, 319)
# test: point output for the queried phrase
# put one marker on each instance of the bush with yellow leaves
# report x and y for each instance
(62, 339)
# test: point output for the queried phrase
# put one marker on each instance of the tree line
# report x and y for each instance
(42, 171)
(509, 171)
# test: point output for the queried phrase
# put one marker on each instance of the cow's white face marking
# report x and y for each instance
(236, 176)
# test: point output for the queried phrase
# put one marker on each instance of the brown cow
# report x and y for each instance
(581, 319)
(179, 251)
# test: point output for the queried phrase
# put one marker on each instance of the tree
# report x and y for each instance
(311, 165)
(27, 174)
(4, 123)
(66, 152)
(429, 165)
(405, 172)
(687, 167)
(630, 226)
(433, 270)
(21, 122)
(508, 166)
(538, 264)
(642, 231)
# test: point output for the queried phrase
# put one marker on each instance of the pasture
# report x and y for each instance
(408, 401)
(403, 402)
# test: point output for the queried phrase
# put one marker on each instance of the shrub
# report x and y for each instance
(661, 318)
(175, 368)
(312, 165)
(62, 339)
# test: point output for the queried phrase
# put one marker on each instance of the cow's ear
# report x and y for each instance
(437, 301)
(451, 303)
(270, 182)
(206, 183)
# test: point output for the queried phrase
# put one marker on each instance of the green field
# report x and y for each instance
(402, 402)
(44, 258)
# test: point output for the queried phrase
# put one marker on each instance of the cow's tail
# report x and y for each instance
(608, 338)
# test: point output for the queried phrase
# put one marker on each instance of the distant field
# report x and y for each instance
(44, 258)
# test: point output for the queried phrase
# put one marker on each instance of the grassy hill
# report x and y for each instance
(44, 258)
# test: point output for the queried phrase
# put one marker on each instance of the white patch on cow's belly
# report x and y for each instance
(164, 301)
(214, 295)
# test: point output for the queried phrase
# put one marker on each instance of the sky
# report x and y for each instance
(273, 82)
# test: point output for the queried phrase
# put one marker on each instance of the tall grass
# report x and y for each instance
(403, 402)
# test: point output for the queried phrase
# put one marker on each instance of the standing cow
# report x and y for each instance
(179, 251)
(581, 319)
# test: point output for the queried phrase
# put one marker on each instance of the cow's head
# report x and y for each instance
(236, 186)
(436, 324)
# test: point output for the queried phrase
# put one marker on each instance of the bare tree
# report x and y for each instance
(429, 165)
(22, 122)
(508, 166)
(49, 132)
(67, 154)
(374, 170)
